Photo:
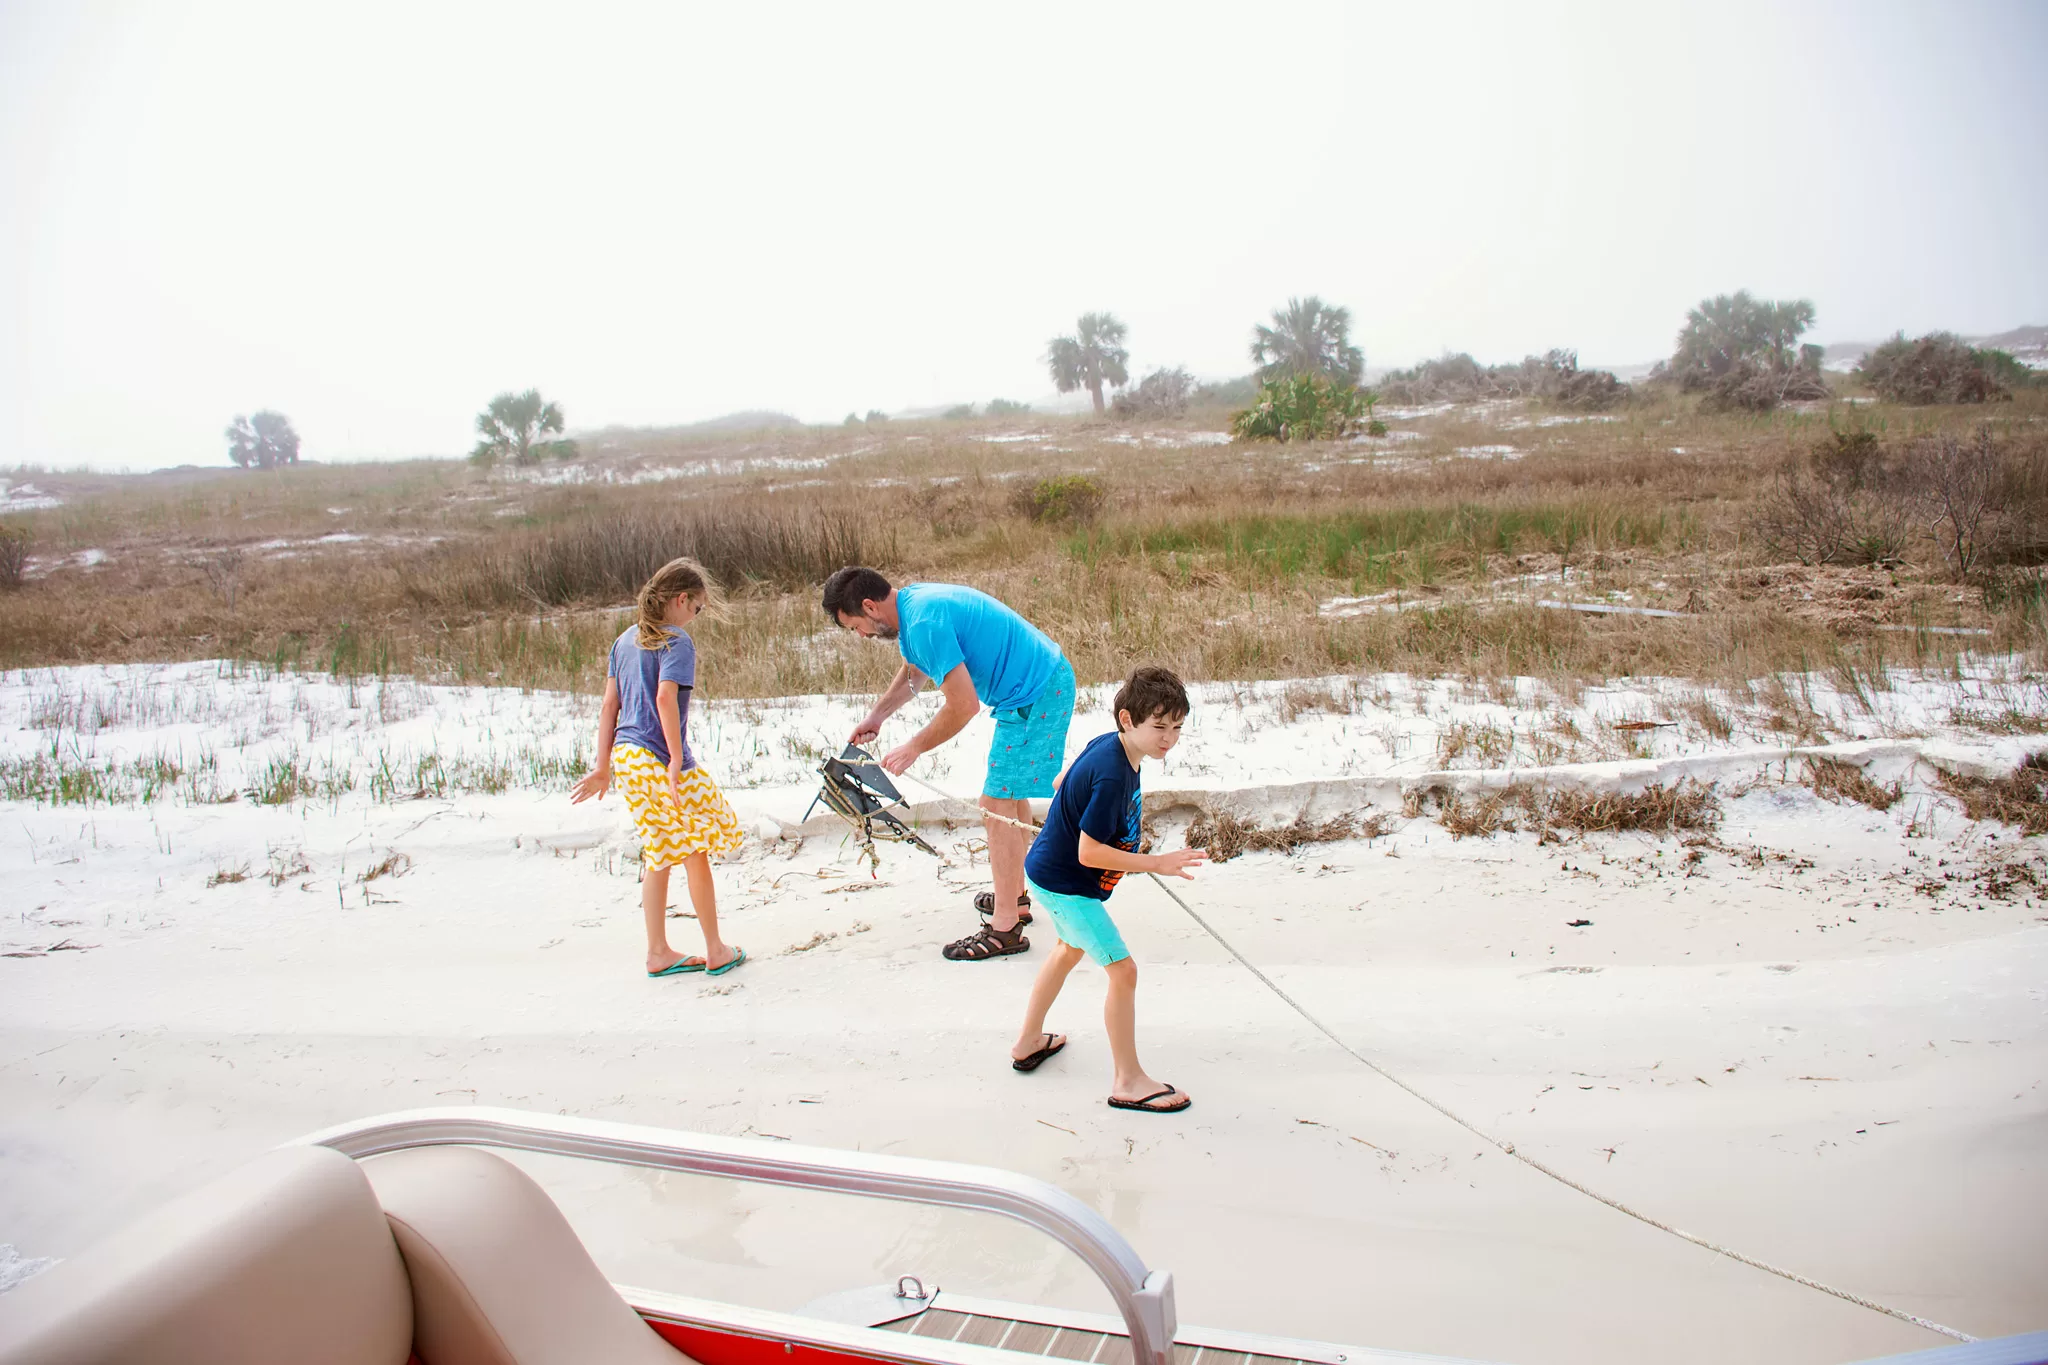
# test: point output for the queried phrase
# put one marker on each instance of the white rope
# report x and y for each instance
(1486, 1137)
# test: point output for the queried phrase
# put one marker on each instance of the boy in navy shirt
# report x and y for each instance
(1089, 841)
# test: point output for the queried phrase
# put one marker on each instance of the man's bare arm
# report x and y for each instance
(961, 705)
(892, 700)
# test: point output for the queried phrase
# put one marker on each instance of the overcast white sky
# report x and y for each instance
(373, 217)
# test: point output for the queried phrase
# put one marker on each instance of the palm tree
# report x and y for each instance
(1736, 329)
(511, 428)
(1092, 357)
(1308, 337)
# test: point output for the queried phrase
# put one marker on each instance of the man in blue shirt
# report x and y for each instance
(980, 653)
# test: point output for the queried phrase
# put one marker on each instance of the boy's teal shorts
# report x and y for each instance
(1031, 741)
(1082, 922)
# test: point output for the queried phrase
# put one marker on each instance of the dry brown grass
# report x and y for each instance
(1837, 781)
(2019, 798)
(1484, 815)
(1209, 560)
(1687, 806)
(1225, 836)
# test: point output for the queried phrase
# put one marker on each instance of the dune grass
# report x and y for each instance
(1219, 561)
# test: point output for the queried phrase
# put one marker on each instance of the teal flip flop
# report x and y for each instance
(679, 966)
(739, 955)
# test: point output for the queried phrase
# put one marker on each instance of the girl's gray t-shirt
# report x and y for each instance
(640, 673)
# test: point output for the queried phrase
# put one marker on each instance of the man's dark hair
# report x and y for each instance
(847, 588)
(1150, 692)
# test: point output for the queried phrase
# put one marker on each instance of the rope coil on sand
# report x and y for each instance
(1502, 1145)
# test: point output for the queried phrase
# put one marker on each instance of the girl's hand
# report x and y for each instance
(1179, 862)
(596, 783)
(675, 775)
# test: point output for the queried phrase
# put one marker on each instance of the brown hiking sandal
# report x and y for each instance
(985, 943)
(985, 905)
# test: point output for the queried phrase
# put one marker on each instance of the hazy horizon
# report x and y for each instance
(374, 218)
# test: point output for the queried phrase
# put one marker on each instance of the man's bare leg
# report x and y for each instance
(1006, 848)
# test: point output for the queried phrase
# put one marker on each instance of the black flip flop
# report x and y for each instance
(1033, 1062)
(1145, 1106)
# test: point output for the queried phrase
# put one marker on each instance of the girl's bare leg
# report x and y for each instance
(654, 907)
(704, 900)
(1045, 988)
(1120, 1020)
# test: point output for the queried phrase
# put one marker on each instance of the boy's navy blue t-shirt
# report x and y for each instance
(1099, 795)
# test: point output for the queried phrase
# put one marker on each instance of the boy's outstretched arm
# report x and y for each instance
(598, 780)
(1094, 853)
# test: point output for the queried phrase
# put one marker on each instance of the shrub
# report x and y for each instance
(1847, 502)
(1306, 407)
(1853, 501)
(1162, 393)
(1937, 368)
(959, 412)
(1003, 407)
(1227, 393)
(1585, 390)
(2009, 370)
(14, 543)
(1450, 378)
(1553, 377)
(223, 568)
(1961, 483)
(1068, 498)
(1753, 387)
(876, 415)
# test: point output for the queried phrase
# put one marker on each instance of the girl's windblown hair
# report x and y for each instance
(677, 578)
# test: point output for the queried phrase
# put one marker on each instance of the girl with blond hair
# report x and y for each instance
(643, 746)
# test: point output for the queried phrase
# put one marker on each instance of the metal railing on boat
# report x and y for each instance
(1143, 1298)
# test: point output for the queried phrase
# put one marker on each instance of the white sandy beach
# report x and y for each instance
(1792, 1043)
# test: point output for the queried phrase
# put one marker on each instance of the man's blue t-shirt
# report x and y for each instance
(1099, 795)
(640, 673)
(940, 626)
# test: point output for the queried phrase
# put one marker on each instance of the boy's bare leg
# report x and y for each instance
(654, 907)
(1045, 988)
(1006, 848)
(1120, 1021)
(704, 900)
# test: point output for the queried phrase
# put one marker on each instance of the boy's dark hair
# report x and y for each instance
(847, 588)
(1150, 692)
